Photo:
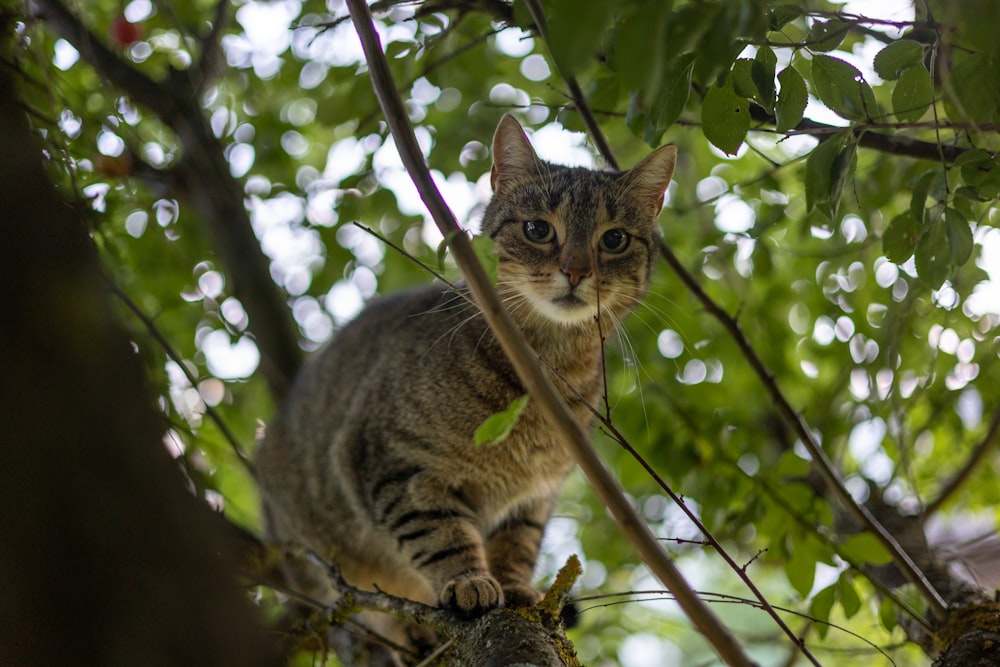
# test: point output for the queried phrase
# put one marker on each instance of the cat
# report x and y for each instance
(372, 458)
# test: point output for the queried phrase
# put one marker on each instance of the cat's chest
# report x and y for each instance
(529, 464)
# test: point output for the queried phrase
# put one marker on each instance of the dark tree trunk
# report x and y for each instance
(104, 558)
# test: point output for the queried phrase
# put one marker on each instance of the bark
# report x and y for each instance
(105, 559)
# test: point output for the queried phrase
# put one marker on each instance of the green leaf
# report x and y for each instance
(918, 197)
(865, 548)
(820, 608)
(849, 600)
(575, 31)
(824, 170)
(933, 256)
(725, 118)
(903, 54)
(975, 75)
(762, 71)
(841, 87)
(638, 40)
(975, 165)
(743, 82)
(888, 615)
(778, 16)
(959, 234)
(496, 428)
(827, 35)
(899, 241)
(792, 99)
(912, 94)
(483, 245)
(800, 568)
(841, 173)
(671, 98)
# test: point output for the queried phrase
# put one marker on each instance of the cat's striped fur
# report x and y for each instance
(372, 459)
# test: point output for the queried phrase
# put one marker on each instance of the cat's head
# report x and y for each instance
(569, 239)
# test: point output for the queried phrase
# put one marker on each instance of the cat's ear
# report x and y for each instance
(648, 180)
(513, 157)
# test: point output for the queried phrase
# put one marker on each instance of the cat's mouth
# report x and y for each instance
(570, 301)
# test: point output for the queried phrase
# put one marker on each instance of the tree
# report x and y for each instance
(811, 378)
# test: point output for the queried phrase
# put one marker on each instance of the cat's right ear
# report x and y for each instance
(513, 157)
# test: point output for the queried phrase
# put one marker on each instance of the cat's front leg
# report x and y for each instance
(512, 549)
(441, 539)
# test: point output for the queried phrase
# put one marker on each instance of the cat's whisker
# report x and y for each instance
(396, 506)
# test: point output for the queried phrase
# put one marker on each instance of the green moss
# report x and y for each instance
(985, 616)
(558, 593)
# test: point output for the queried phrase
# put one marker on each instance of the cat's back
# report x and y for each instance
(403, 342)
(405, 357)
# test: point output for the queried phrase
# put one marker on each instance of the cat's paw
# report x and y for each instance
(521, 595)
(472, 594)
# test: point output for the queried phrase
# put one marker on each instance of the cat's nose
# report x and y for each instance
(576, 267)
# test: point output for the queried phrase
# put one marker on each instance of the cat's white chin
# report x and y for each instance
(569, 309)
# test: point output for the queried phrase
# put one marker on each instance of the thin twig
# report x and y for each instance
(797, 423)
(523, 359)
(741, 571)
(823, 536)
(975, 459)
(722, 598)
(157, 335)
(575, 93)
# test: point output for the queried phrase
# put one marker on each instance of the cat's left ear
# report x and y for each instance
(513, 157)
(647, 181)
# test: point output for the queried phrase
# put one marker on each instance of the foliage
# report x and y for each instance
(835, 192)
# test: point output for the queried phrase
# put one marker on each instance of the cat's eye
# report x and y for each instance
(539, 231)
(614, 241)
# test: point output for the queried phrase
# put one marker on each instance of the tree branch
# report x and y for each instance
(796, 422)
(892, 144)
(135, 84)
(171, 353)
(202, 178)
(576, 94)
(523, 358)
(971, 464)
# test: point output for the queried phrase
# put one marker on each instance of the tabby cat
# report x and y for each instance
(372, 459)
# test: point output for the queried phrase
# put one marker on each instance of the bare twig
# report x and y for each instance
(579, 101)
(211, 59)
(158, 336)
(722, 598)
(558, 415)
(797, 423)
(741, 571)
(975, 459)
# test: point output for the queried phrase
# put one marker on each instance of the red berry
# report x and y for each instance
(124, 32)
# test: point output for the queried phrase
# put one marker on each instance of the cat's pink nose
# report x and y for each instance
(575, 272)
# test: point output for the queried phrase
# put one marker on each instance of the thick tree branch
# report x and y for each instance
(524, 359)
(202, 178)
(117, 72)
(501, 637)
(869, 137)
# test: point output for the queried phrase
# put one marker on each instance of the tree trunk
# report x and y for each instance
(105, 559)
